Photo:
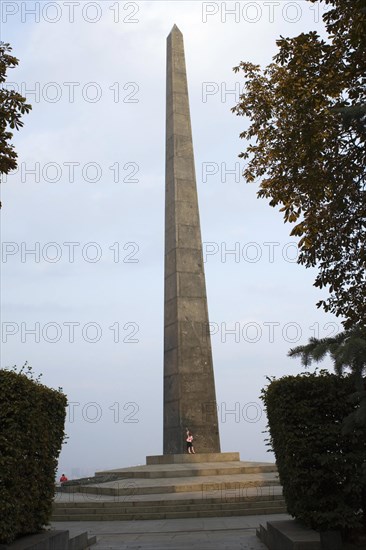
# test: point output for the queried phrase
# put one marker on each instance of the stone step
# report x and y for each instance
(146, 508)
(189, 458)
(81, 541)
(270, 495)
(291, 535)
(177, 485)
(265, 509)
(185, 470)
(174, 487)
(52, 539)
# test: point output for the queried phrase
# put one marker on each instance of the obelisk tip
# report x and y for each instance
(175, 29)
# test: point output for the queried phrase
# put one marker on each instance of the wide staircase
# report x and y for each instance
(171, 487)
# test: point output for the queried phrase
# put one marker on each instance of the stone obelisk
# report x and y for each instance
(189, 386)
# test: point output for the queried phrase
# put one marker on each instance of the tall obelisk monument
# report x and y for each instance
(189, 386)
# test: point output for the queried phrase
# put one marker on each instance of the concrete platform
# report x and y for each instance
(173, 490)
(201, 484)
(190, 468)
(52, 540)
(288, 535)
(191, 458)
(202, 477)
(231, 533)
(261, 492)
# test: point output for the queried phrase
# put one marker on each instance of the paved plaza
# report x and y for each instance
(233, 533)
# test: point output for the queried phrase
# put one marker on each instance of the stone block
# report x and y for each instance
(178, 83)
(171, 336)
(169, 149)
(290, 535)
(184, 167)
(186, 190)
(189, 236)
(180, 103)
(186, 213)
(177, 124)
(185, 458)
(171, 287)
(170, 225)
(173, 439)
(171, 361)
(170, 312)
(191, 285)
(172, 388)
(195, 334)
(192, 309)
(170, 263)
(171, 238)
(194, 382)
(80, 542)
(194, 359)
(176, 60)
(183, 147)
(208, 411)
(188, 261)
(49, 540)
(169, 174)
(171, 414)
(211, 437)
(179, 146)
(194, 418)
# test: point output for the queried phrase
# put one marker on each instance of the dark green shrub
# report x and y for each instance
(32, 419)
(320, 467)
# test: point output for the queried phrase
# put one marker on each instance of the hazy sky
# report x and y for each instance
(83, 219)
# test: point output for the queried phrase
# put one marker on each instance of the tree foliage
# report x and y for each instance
(12, 108)
(307, 141)
(321, 467)
(348, 352)
(32, 418)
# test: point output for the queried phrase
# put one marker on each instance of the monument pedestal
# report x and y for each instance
(192, 458)
(174, 486)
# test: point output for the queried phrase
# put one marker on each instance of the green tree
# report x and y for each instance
(12, 107)
(307, 143)
(347, 351)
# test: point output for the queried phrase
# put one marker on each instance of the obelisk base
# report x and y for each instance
(189, 458)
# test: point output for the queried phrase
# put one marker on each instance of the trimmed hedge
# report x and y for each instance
(321, 468)
(32, 419)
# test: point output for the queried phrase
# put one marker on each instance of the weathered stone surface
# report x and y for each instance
(171, 338)
(172, 361)
(189, 388)
(191, 285)
(184, 458)
(171, 311)
(185, 190)
(289, 535)
(171, 409)
(50, 540)
(188, 260)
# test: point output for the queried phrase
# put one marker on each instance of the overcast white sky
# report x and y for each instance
(91, 175)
